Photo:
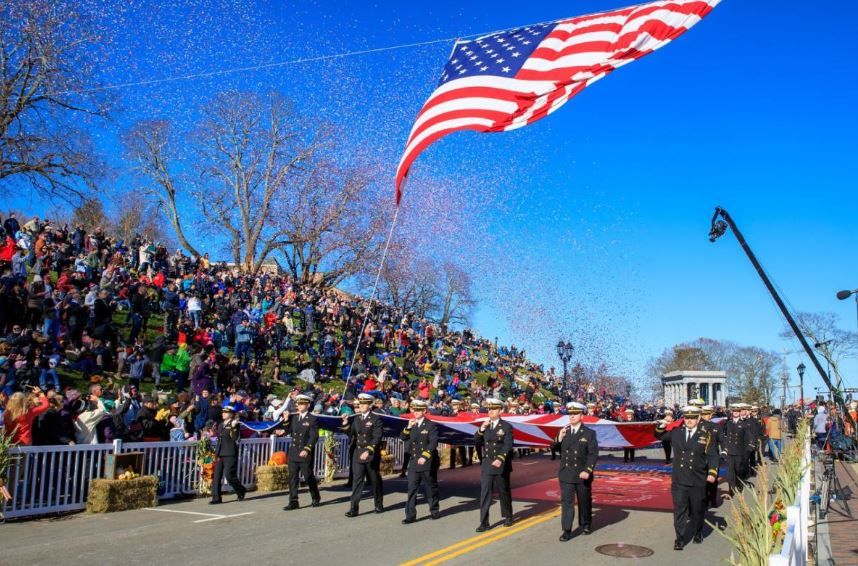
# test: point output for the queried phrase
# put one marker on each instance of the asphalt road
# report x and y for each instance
(257, 530)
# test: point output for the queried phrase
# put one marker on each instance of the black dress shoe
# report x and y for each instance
(408, 521)
(587, 530)
(677, 544)
(698, 538)
(241, 495)
(351, 513)
(436, 516)
(316, 503)
(567, 535)
(379, 509)
(291, 507)
(508, 522)
(482, 528)
(213, 502)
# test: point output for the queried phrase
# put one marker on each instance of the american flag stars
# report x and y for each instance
(489, 55)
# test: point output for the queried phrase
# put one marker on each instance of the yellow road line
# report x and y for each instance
(473, 543)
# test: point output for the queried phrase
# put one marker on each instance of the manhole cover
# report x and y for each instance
(621, 550)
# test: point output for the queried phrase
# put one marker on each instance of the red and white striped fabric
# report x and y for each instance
(512, 78)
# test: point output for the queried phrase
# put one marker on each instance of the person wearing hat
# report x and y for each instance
(421, 441)
(706, 412)
(365, 434)
(464, 453)
(695, 464)
(303, 430)
(758, 432)
(629, 453)
(591, 410)
(579, 451)
(227, 456)
(496, 439)
(735, 440)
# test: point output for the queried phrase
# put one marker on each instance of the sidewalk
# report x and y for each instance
(842, 544)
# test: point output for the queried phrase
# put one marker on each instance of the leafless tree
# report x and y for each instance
(266, 182)
(48, 93)
(89, 214)
(251, 151)
(750, 370)
(332, 224)
(824, 334)
(456, 295)
(408, 282)
(150, 145)
(134, 215)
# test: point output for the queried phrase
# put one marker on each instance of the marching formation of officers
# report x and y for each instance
(696, 447)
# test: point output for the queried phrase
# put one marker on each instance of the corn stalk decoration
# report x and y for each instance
(758, 513)
(330, 457)
(205, 463)
(6, 461)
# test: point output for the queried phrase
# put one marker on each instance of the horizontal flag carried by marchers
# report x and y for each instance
(529, 431)
(512, 78)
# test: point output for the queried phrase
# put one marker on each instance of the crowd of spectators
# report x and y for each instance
(119, 316)
(123, 317)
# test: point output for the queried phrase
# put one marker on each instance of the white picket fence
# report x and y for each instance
(54, 479)
(794, 550)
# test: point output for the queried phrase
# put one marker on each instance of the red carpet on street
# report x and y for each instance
(643, 484)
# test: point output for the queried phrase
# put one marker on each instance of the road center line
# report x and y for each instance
(467, 545)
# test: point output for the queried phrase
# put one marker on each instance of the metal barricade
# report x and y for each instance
(52, 479)
(174, 463)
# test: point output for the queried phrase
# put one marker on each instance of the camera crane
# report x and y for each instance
(718, 229)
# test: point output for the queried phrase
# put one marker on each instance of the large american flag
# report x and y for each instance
(512, 78)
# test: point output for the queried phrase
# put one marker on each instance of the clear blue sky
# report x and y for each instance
(590, 224)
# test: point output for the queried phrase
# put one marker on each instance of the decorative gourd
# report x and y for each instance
(278, 459)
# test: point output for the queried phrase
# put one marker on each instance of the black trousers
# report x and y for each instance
(628, 454)
(735, 472)
(711, 494)
(568, 492)
(429, 480)
(487, 485)
(464, 453)
(351, 468)
(226, 466)
(688, 505)
(362, 470)
(668, 448)
(295, 470)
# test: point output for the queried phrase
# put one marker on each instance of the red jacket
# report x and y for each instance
(23, 434)
(7, 249)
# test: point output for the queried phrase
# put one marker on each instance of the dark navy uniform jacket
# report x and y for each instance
(498, 443)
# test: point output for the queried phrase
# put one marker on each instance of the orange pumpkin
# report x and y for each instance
(278, 459)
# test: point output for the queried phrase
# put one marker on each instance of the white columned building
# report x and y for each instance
(681, 386)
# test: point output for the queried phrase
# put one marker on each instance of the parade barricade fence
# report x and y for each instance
(53, 479)
(795, 545)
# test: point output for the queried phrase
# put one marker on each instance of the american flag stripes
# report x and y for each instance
(512, 78)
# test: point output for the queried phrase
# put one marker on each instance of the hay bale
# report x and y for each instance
(272, 478)
(387, 463)
(107, 496)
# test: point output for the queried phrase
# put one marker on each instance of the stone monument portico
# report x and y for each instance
(681, 386)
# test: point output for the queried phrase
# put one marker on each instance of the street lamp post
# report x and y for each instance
(801, 367)
(564, 351)
(843, 295)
